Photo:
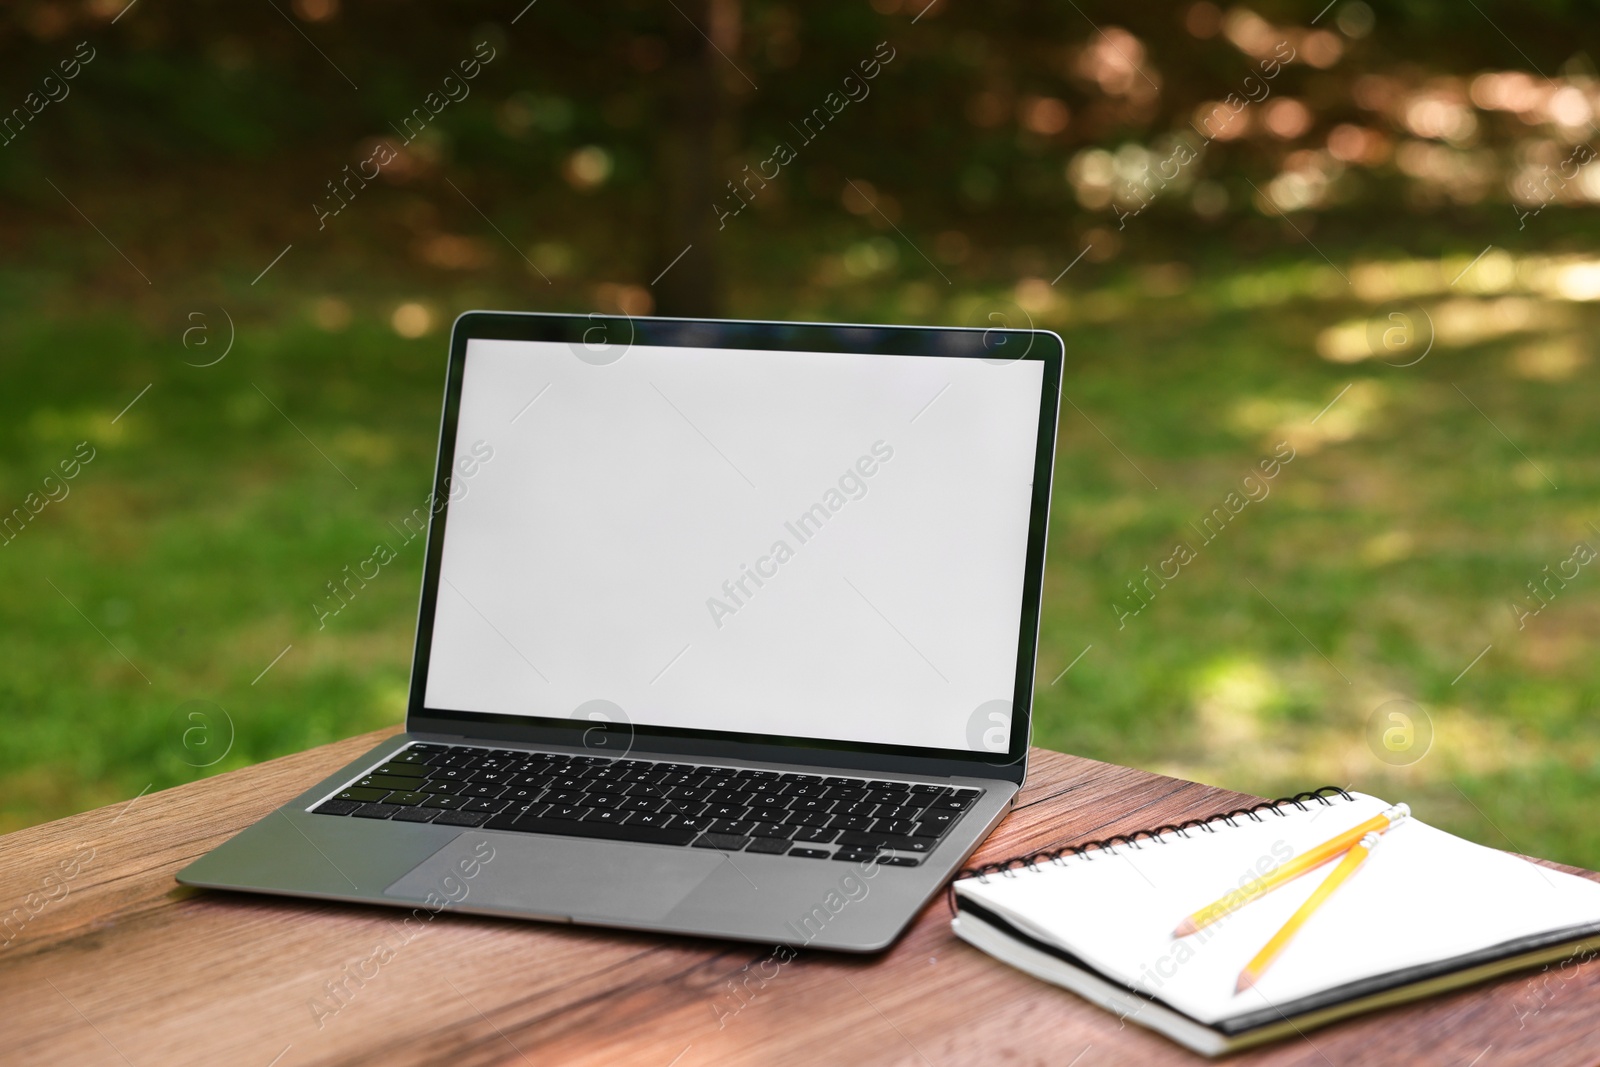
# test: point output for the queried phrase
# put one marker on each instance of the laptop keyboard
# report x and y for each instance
(732, 809)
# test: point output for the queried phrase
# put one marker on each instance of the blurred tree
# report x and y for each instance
(690, 143)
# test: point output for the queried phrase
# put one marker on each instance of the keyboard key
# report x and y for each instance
(461, 818)
(899, 861)
(697, 823)
(809, 818)
(567, 811)
(443, 801)
(725, 842)
(363, 796)
(885, 841)
(855, 855)
(336, 807)
(935, 823)
(955, 803)
(771, 846)
(376, 811)
(732, 827)
(649, 818)
(433, 785)
(914, 814)
(772, 829)
(809, 853)
(410, 757)
(415, 815)
(515, 810)
(816, 834)
(407, 799)
(852, 822)
(673, 780)
(484, 790)
(897, 827)
(655, 835)
(403, 770)
(490, 806)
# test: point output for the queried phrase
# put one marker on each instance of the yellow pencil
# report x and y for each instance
(1313, 859)
(1257, 967)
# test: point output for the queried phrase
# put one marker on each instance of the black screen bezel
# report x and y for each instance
(996, 345)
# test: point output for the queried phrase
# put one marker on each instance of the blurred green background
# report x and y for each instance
(1380, 254)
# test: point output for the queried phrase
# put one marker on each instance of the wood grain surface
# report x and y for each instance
(106, 960)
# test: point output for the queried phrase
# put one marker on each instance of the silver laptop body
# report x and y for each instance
(727, 628)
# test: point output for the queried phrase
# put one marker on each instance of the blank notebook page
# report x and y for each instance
(1420, 897)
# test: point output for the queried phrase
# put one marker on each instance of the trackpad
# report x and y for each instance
(554, 876)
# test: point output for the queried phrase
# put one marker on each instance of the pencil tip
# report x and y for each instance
(1185, 928)
(1246, 980)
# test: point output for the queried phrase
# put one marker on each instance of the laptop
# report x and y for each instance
(727, 629)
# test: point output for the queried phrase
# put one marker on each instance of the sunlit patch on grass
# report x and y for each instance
(365, 445)
(1494, 272)
(1467, 742)
(1455, 323)
(1230, 696)
(58, 429)
(1532, 476)
(1554, 359)
(1388, 547)
(1308, 424)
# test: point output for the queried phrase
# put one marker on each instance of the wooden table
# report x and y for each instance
(111, 962)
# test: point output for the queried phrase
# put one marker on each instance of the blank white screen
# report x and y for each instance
(587, 558)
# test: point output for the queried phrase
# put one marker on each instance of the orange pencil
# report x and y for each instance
(1257, 967)
(1313, 859)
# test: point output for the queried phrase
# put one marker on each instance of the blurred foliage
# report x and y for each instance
(1417, 159)
(997, 124)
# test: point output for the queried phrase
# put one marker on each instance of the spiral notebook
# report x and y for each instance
(1426, 912)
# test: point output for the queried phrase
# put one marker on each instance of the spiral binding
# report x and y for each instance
(1007, 868)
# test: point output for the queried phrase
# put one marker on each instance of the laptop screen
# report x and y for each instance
(797, 544)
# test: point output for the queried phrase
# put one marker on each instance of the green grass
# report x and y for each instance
(1383, 560)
